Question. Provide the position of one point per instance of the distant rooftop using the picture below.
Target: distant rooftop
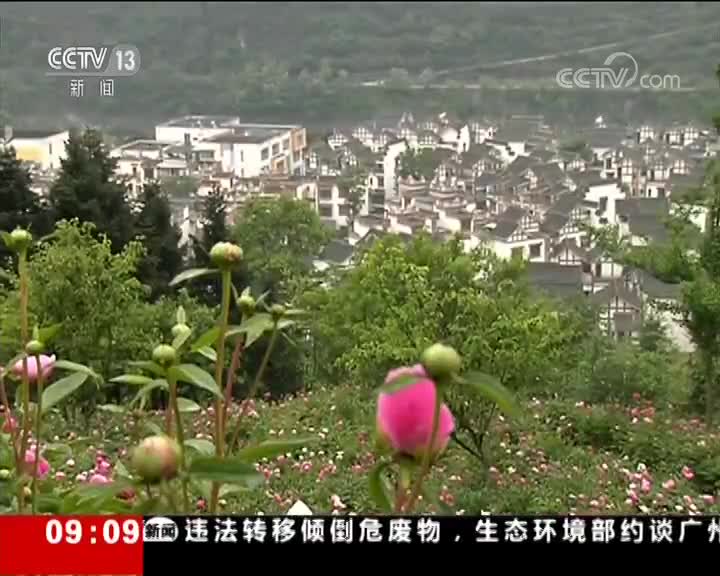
(196, 121)
(32, 134)
(248, 134)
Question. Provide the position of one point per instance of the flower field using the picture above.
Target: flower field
(556, 457)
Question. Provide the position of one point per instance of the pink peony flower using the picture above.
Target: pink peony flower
(47, 365)
(405, 417)
(60, 476)
(43, 466)
(708, 499)
(669, 484)
(645, 485)
(688, 473)
(98, 479)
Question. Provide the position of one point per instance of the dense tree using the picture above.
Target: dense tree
(214, 229)
(163, 258)
(19, 205)
(278, 237)
(86, 189)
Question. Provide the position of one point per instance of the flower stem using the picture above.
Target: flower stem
(9, 420)
(255, 385)
(219, 365)
(230, 379)
(180, 438)
(427, 459)
(24, 335)
(38, 422)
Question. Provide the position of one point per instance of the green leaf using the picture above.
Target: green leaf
(148, 366)
(180, 316)
(271, 448)
(36, 333)
(75, 367)
(378, 487)
(58, 451)
(112, 408)
(205, 447)
(400, 383)
(141, 396)
(132, 379)
(227, 470)
(191, 274)
(185, 405)
(490, 388)
(120, 471)
(284, 323)
(208, 353)
(7, 238)
(152, 428)
(4, 275)
(210, 337)
(195, 375)
(245, 292)
(180, 339)
(62, 389)
(253, 328)
(48, 504)
(47, 334)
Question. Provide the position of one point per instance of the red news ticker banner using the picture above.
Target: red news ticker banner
(71, 545)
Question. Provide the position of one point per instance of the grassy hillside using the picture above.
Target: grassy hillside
(558, 457)
(293, 59)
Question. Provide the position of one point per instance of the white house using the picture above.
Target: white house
(516, 234)
(390, 166)
(43, 147)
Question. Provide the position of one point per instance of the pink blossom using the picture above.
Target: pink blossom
(708, 499)
(337, 503)
(688, 473)
(98, 479)
(645, 485)
(306, 466)
(669, 484)
(43, 466)
(405, 417)
(60, 476)
(633, 496)
(47, 365)
(201, 504)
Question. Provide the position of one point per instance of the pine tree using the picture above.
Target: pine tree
(214, 229)
(19, 205)
(160, 237)
(86, 189)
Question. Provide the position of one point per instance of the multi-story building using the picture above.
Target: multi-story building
(46, 148)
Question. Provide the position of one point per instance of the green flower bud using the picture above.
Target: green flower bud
(441, 361)
(246, 304)
(164, 354)
(277, 311)
(156, 458)
(4, 474)
(34, 348)
(226, 254)
(20, 240)
(180, 330)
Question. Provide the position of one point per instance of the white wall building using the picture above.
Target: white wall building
(43, 147)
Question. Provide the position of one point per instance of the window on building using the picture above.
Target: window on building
(344, 209)
(326, 211)
(535, 250)
(661, 192)
(242, 156)
(276, 149)
(516, 252)
(286, 144)
(50, 152)
(265, 154)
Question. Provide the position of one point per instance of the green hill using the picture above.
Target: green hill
(305, 60)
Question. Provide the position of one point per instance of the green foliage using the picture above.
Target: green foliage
(160, 237)
(277, 237)
(86, 189)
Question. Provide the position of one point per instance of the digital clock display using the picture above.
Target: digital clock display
(112, 531)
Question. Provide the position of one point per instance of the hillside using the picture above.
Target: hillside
(296, 59)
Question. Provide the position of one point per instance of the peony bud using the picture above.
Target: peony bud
(4, 474)
(164, 354)
(226, 254)
(34, 348)
(180, 330)
(441, 361)
(246, 304)
(277, 311)
(156, 458)
(20, 240)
